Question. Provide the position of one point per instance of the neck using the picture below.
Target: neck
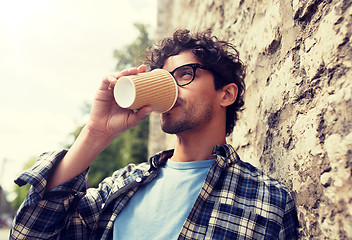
(196, 146)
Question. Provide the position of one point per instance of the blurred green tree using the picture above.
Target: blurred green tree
(132, 54)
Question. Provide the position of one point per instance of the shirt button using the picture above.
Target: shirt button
(138, 179)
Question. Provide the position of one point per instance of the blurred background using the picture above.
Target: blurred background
(53, 55)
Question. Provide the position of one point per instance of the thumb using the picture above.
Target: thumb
(140, 115)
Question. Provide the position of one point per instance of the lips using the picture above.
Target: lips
(177, 103)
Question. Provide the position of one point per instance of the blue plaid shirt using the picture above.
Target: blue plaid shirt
(237, 201)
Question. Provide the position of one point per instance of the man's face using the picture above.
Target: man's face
(197, 103)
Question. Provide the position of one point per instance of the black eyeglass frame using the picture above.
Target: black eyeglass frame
(194, 67)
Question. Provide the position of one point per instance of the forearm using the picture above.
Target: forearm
(85, 149)
(107, 121)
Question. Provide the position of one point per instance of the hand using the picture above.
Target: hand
(107, 119)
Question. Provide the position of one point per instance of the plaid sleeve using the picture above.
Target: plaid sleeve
(43, 215)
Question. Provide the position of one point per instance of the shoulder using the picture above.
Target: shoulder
(249, 190)
(118, 180)
(125, 176)
(246, 174)
(251, 186)
(132, 169)
(249, 174)
(257, 192)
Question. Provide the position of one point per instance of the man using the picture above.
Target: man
(199, 190)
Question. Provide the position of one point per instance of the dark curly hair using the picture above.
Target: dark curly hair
(220, 57)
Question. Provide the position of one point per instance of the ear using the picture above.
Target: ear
(229, 94)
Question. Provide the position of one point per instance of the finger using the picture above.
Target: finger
(140, 115)
(133, 71)
(109, 82)
(144, 112)
(113, 77)
(105, 82)
(142, 68)
(125, 72)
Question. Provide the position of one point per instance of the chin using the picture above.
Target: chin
(171, 130)
(168, 124)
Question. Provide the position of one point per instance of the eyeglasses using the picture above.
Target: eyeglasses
(185, 74)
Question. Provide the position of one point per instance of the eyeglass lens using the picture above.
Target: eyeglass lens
(184, 75)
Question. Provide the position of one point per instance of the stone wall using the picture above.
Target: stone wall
(297, 123)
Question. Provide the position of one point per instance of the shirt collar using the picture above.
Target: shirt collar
(225, 154)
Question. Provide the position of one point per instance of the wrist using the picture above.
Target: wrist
(95, 139)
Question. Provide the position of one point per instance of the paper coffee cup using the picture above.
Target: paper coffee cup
(156, 88)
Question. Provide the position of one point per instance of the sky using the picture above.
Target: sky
(53, 55)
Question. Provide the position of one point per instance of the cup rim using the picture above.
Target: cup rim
(125, 99)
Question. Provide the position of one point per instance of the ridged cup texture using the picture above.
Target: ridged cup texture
(157, 89)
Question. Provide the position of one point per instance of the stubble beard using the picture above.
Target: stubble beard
(190, 119)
